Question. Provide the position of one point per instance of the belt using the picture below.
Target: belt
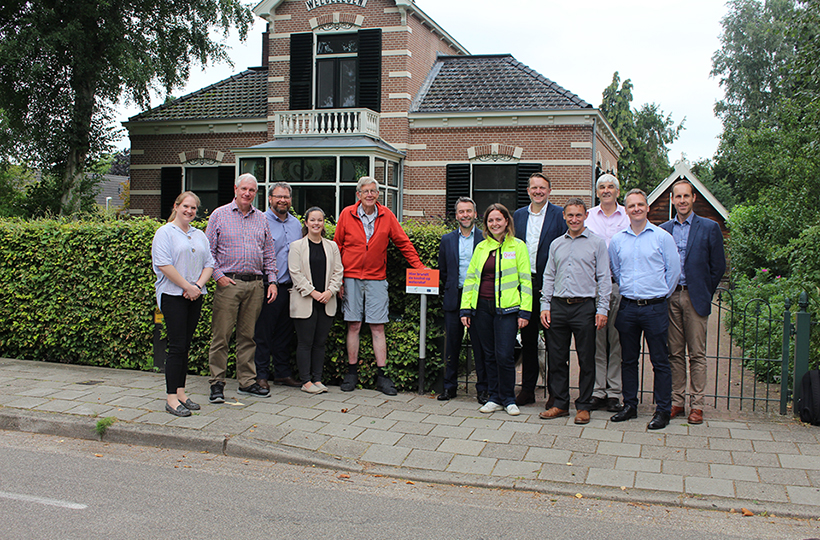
(646, 302)
(244, 277)
(573, 300)
(285, 284)
(681, 288)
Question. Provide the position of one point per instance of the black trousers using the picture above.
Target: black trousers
(311, 335)
(273, 336)
(181, 317)
(567, 320)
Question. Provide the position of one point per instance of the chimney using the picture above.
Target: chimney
(265, 45)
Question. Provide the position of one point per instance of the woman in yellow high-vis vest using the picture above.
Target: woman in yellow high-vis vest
(498, 284)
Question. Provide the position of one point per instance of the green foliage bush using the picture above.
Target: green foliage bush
(82, 292)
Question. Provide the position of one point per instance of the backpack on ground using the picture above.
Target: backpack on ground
(809, 404)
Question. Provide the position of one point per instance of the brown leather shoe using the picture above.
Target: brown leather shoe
(582, 417)
(524, 397)
(263, 383)
(554, 412)
(695, 416)
(676, 411)
(288, 381)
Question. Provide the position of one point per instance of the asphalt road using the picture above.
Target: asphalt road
(52, 487)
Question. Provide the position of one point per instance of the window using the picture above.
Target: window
(495, 184)
(337, 71)
(204, 181)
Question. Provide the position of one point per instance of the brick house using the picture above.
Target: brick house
(355, 87)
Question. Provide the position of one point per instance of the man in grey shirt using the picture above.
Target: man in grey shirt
(577, 273)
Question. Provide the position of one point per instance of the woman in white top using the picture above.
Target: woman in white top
(183, 263)
(315, 266)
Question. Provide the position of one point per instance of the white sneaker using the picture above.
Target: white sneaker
(512, 409)
(490, 407)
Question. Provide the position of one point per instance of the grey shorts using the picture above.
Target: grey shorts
(365, 300)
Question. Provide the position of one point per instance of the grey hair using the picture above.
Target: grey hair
(461, 200)
(637, 191)
(608, 178)
(281, 185)
(366, 181)
(247, 176)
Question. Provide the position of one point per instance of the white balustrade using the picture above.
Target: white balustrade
(326, 122)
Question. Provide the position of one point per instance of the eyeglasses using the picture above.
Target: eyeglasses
(369, 192)
(280, 196)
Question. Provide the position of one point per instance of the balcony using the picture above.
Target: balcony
(325, 122)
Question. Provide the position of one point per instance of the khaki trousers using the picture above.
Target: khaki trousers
(687, 331)
(608, 366)
(235, 305)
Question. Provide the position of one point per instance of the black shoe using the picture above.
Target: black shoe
(613, 404)
(217, 393)
(483, 397)
(254, 390)
(179, 411)
(626, 413)
(525, 397)
(349, 382)
(597, 403)
(386, 386)
(191, 405)
(659, 421)
(448, 394)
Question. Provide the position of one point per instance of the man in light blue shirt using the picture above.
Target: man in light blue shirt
(645, 263)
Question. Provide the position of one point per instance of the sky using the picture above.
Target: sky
(664, 47)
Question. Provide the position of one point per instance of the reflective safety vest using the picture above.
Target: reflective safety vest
(513, 281)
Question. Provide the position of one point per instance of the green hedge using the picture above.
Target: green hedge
(82, 292)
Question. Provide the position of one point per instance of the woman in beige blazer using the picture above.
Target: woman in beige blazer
(315, 266)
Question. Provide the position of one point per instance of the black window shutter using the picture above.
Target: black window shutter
(370, 69)
(170, 182)
(525, 170)
(227, 179)
(458, 185)
(301, 71)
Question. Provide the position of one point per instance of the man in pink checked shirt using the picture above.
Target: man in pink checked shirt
(242, 248)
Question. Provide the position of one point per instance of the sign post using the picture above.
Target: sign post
(423, 282)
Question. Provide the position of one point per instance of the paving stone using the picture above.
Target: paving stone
(230, 427)
(681, 429)
(579, 459)
(619, 449)
(29, 403)
(336, 418)
(777, 475)
(752, 459)
(733, 472)
(266, 408)
(343, 431)
(709, 456)
(758, 491)
(754, 435)
(72, 394)
(306, 440)
(649, 438)
(521, 427)
(195, 421)
(799, 462)
(268, 433)
(809, 449)
(458, 446)
(360, 398)
(710, 432)
(740, 445)
(659, 482)
(386, 455)
(684, 468)
(412, 427)
(374, 423)
(296, 401)
(663, 453)
(563, 473)
(679, 441)
(300, 424)
(451, 432)
(609, 477)
(814, 478)
(406, 416)
(443, 420)
(804, 495)
(638, 464)
(709, 486)
(770, 447)
(482, 423)
(472, 465)
(576, 445)
(425, 459)
(129, 415)
(795, 436)
(420, 441)
(337, 446)
(378, 436)
(510, 452)
(56, 405)
(156, 418)
(516, 469)
(548, 455)
(533, 439)
(90, 409)
(368, 411)
(551, 427)
(602, 434)
(491, 435)
(227, 412)
(301, 412)
(260, 418)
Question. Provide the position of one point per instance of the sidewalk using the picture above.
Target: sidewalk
(765, 463)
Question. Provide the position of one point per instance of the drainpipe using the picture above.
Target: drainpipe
(594, 146)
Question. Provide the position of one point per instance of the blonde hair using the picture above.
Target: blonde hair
(181, 197)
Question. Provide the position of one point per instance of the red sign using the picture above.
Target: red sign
(423, 281)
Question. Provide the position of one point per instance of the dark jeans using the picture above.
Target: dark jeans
(181, 317)
(496, 336)
(529, 341)
(454, 331)
(567, 320)
(273, 336)
(653, 322)
(311, 335)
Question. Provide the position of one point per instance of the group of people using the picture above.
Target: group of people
(274, 274)
(605, 276)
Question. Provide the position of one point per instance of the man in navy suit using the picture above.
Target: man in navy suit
(700, 246)
(454, 256)
(537, 224)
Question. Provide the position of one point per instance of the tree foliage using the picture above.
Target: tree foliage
(64, 64)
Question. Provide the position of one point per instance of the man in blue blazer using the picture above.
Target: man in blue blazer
(455, 251)
(537, 224)
(703, 262)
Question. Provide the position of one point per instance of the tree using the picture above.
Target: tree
(64, 64)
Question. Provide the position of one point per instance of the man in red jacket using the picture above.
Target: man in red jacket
(362, 234)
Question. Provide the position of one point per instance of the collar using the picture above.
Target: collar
(472, 233)
(356, 212)
(275, 216)
(232, 206)
(687, 220)
(585, 233)
(540, 213)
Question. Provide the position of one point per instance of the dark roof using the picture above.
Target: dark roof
(490, 83)
(244, 95)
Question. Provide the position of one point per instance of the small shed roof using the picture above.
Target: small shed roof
(683, 170)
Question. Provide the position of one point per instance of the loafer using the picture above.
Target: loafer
(524, 397)
(613, 404)
(385, 385)
(287, 381)
(448, 394)
(217, 393)
(597, 403)
(490, 407)
(695, 416)
(349, 383)
(321, 387)
(483, 397)
(190, 405)
(254, 390)
(553, 412)
(512, 409)
(659, 420)
(179, 411)
(627, 413)
(676, 411)
(582, 417)
(263, 383)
